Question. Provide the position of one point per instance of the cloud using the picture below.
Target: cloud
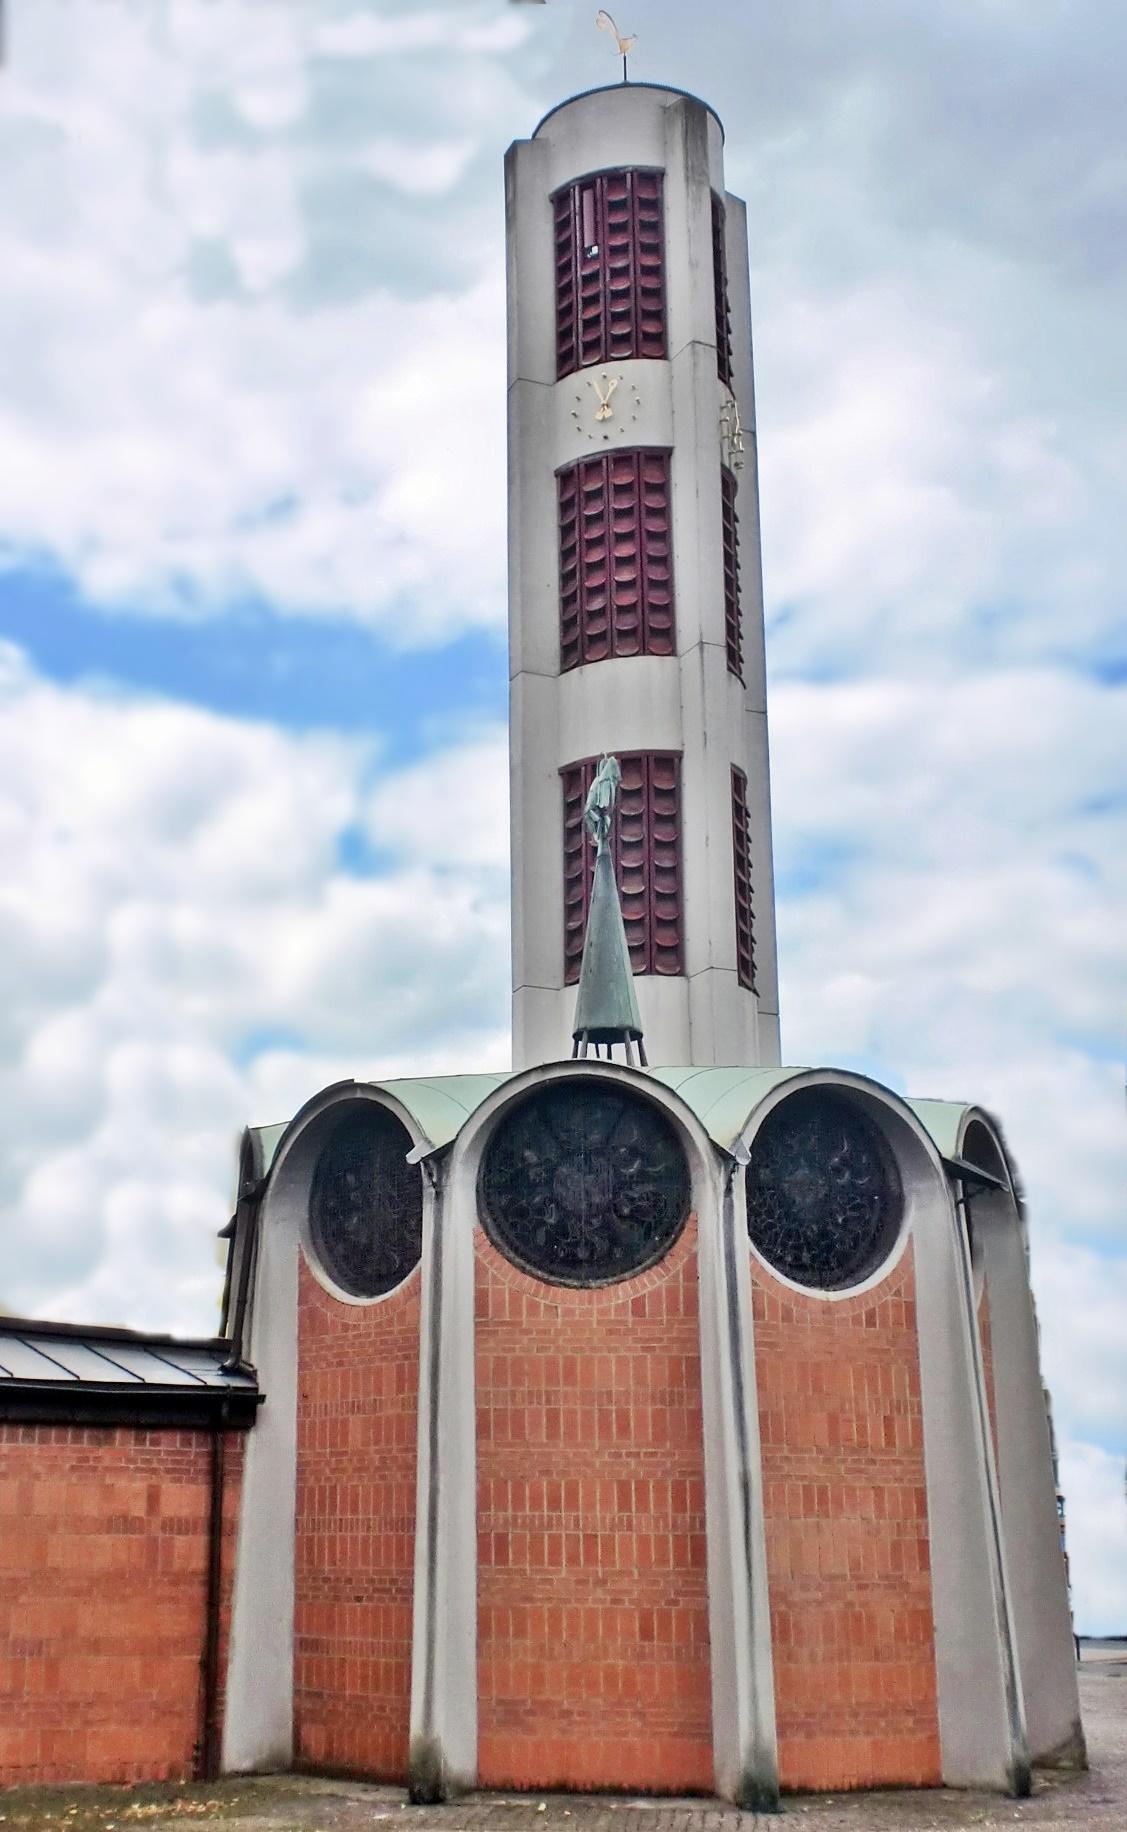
(1094, 1497)
(448, 810)
(212, 392)
(252, 331)
(183, 952)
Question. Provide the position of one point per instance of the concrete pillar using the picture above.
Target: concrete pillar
(1027, 1492)
(690, 701)
(443, 1746)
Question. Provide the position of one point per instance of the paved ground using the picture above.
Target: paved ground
(293, 1804)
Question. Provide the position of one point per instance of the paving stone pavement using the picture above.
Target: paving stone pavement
(311, 1804)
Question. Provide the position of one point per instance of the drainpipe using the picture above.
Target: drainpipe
(209, 1738)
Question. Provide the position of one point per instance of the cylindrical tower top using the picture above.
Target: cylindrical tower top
(617, 89)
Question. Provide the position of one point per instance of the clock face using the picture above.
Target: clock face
(606, 408)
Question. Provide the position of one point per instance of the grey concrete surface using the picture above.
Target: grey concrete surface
(288, 1803)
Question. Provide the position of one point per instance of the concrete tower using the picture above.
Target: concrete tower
(635, 590)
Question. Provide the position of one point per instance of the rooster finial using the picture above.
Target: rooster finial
(625, 45)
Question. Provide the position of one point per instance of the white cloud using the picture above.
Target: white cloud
(922, 504)
(252, 328)
(450, 810)
(1096, 1527)
(182, 953)
(213, 388)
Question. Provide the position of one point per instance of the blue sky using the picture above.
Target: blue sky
(252, 593)
(293, 673)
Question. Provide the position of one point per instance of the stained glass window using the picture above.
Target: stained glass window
(823, 1197)
(366, 1203)
(582, 1185)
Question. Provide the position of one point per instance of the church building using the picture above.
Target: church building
(668, 1420)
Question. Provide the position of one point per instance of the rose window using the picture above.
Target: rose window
(582, 1184)
(823, 1196)
(366, 1204)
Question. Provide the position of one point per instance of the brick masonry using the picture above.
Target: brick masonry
(358, 1386)
(593, 1648)
(103, 1574)
(847, 1534)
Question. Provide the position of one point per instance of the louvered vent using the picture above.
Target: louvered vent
(720, 284)
(741, 862)
(733, 626)
(646, 841)
(610, 270)
(616, 574)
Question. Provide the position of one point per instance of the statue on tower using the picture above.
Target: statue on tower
(601, 797)
(606, 1010)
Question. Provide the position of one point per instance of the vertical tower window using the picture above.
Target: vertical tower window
(733, 624)
(720, 284)
(616, 572)
(646, 843)
(741, 864)
(610, 269)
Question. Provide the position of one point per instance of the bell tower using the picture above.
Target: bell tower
(635, 590)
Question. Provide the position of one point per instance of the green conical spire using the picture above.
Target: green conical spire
(606, 1009)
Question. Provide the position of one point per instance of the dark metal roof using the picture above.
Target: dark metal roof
(59, 1373)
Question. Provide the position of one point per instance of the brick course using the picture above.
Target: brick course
(358, 1385)
(847, 1534)
(593, 1647)
(103, 1575)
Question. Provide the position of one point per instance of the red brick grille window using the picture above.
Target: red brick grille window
(741, 862)
(646, 839)
(616, 573)
(610, 269)
(720, 284)
(733, 627)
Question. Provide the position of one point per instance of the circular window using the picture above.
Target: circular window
(584, 1185)
(366, 1204)
(823, 1196)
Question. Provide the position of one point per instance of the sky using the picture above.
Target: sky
(252, 594)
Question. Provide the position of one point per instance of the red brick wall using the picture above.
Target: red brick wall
(358, 1388)
(593, 1652)
(847, 1534)
(103, 1572)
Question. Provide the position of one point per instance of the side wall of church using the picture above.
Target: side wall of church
(103, 1585)
(847, 1534)
(357, 1411)
(593, 1642)
(986, 1340)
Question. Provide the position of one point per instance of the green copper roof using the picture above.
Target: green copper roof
(722, 1099)
(269, 1138)
(441, 1107)
(941, 1119)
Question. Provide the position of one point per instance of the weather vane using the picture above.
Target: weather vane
(625, 45)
